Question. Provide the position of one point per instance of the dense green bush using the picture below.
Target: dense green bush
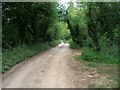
(15, 55)
(73, 45)
(54, 43)
(107, 55)
(99, 57)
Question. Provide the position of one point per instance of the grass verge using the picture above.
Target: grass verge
(14, 56)
(104, 61)
(98, 57)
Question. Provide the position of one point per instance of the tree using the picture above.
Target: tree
(27, 22)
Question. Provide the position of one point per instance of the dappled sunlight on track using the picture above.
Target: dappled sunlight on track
(62, 44)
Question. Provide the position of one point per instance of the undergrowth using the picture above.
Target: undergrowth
(98, 57)
(105, 56)
(73, 45)
(93, 59)
(15, 55)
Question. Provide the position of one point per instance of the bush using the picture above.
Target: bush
(13, 56)
(73, 45)
(98, 57)
(54, 43)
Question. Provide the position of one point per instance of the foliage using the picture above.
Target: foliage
(73, 45)
(88, 24)
(14, 56)
(59, 31)
(76, 20)
(64, 32)
(92, 21)
(98, 57)
(54, 43)
(29, 28)
(27, 22)
(95, 26)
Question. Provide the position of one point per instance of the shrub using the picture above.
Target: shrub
(13, 56)
(73, 45)
(54, 43)
(98, 57)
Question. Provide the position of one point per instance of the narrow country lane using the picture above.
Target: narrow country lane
(49, 69)
(54, 68)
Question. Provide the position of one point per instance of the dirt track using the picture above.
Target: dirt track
(54, 68)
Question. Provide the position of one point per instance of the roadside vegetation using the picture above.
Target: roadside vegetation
(30, 28)
(94, 31)
(15, 55)
(95, 34)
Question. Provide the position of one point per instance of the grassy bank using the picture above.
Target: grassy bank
(105, 56)
(14, 56)
(98, 57)
(104, 61)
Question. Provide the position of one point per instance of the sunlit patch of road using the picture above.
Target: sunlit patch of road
(62, 44)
